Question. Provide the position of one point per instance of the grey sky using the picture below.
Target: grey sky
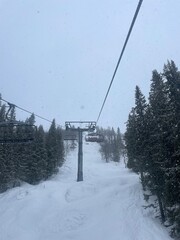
(57, 57)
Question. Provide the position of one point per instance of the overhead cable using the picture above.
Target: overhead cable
(120, 57)
(45, 119)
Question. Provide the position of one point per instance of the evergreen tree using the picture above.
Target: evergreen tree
(172, 81)
(120, 143)
(55, 149)
(158, 125)
(41, 153)
(60, 147)
(27, 153)
(117, 146)
(27, 161)
(141, 131)
(153, 142)
(112, 146)
(130, 140)
(7, 170)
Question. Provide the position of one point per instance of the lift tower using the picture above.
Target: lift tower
(80, 127)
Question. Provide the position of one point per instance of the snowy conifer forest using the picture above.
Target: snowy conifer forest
(27, 154)
(153, 143)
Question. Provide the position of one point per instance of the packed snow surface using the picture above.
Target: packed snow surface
(107, 205)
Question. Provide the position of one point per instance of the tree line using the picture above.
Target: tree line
(112, 147)
(153, 142)
(22, 160)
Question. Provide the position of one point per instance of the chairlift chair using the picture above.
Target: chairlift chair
(16, 132)
(94, 137)
(70, 137)
(12, 131)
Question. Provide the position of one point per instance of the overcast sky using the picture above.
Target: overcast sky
(57, 57)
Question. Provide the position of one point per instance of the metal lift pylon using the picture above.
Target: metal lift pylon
(90, 127)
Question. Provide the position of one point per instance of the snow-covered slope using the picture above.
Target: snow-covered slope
(107, 205)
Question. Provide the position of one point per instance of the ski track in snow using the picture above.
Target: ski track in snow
(107, 205)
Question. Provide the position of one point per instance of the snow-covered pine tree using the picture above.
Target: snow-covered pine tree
(141, 131)
(27, 154)
(153, 135)
(172, 81)
(117, 146)
(55, 149)
(130, 137)
(28, 162)
(60, 147)
(157, 124)
(41, 153)
(7, 165)
(112, 146)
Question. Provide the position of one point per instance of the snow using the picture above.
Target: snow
(107, 205)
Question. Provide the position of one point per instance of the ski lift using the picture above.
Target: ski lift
(12, 131)
(16, 132)
(94, 137)
(70, 136)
